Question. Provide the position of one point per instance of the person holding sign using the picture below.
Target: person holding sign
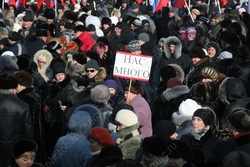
(141, 108)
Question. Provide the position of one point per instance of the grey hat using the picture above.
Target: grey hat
(240, 119)
(29, 16)
(137, 23)
(100, 94)
(144, 37)
(92, 64)
(135, 6)
(134, 46)
(4, 31)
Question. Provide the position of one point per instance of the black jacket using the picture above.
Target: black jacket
(15, 124)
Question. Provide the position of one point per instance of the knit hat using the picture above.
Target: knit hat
(100, 94)
(111, 84)
(24, 79)
(225, 55)
(180, 149)
(3, 31)
(23, 146)
(240, 119)
(173, 82)
(8, 81)
(143, 37)
(102, 136)
(91, 27)
(134, 46)
(191, 30)
(164, 128)
(197, 52)
(110, 155)
(145, 22)
(202, 18)
(196, 12)
(188, 107)
(210, 72)
(126, 117)
(155, 146)
(135, 6)
(72, 45)
(92, 64)
(205, 115)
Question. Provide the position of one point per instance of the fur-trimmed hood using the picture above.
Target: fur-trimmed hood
(179, 71)
(232, 89)
(178, 46)
(214, 45)
(174, 92)
(101, 75)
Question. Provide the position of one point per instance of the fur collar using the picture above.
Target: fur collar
(101, 75)
(178, 46)
(174, 92)
(123, 133)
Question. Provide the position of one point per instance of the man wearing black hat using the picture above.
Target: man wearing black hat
(28, 29)
(16, 47)
(15, 120)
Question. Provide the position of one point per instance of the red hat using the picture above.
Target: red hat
(102, 136)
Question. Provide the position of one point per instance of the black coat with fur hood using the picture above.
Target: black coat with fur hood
(99, 78)
(177, 57)
(233, 94)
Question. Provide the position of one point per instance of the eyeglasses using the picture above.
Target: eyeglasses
(90, 71)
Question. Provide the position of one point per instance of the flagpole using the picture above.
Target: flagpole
(56, 9)
(189, 11)
(219, 5)
(248, 9)
(208, 4)
(2, 4)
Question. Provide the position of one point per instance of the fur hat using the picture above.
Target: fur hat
(54, 45)
(205, 115)
(155, 146)
(102, 136)
(143, 37)
(8, 81)
(23, 146)
(180, 149)
(74, 69)
(79, 28)
(167, 72)
(100, 94)
(80, 57)
(188, 107)
(42, 33)
(240, 119)
(24, 79)
(49, 13)
(197, 53)
(23, 62)
(72, 45)
(111, 84)
(173, 82)
(196, 12)
(126, 117)
(58, 66)
(210, 72)
(164, 128)
(106, 20)
(92, 64)
(80, 84)
(110, 155)
(69, 53)
(92, 55)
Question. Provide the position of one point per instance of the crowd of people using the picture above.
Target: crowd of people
(61, 106)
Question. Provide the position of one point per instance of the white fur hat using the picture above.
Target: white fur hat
(126, 117)
(188, 107)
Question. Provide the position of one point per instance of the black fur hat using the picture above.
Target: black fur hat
(240, 119)
(8, 81)
(106, 20)
(58, 66)
(23, 62)
(49, 13)
(155, 146)
(167, 72)
(197, 52)
(41, 33)
(23, 146)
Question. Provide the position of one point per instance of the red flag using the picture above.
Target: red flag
(138, 1)
(224, 2)
(20, 3)
(12, 2)
(179, 3)
(50, 3)
(158, 4)
(73, 1)
(39, 4)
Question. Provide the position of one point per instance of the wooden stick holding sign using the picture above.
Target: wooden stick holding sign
(128, 101)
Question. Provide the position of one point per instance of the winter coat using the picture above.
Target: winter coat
(177, 57)
(15, 124)
(161, 24)
(143, 112)
(33, 45)
(233, 94)
(98, 79)
(77, 152)
(17, 48)
(130, 142)
(201, 148)
(86, 41)
(34, 165)
(168, 102)
(30, 34)
(243, 141)
(29, 96)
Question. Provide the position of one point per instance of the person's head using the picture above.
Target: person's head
(124, 3)
(195, 13)
(236, 158)
(135, 90)
(202, 118)
(92, 68)
(134, 47)
(4, 33)
(125, 118)
(28, 19)
(197, 54)
(165, 129)
(99, 138)
(24, 152)
(8, 82)
(106, 23)
(118, 31)
(58, 67)
(145, 25)
(42, 34)
(25, 80)
(172, 45)
(110, 156)
(78, 30)
(143, 38)
(209, 74)
(100, 94)
(191, 32)
(112, 85)
(135, 7)
(213, 49)
(42, 60)
(239, 119)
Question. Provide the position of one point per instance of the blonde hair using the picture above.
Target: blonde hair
(28, 154)
(42, 57)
